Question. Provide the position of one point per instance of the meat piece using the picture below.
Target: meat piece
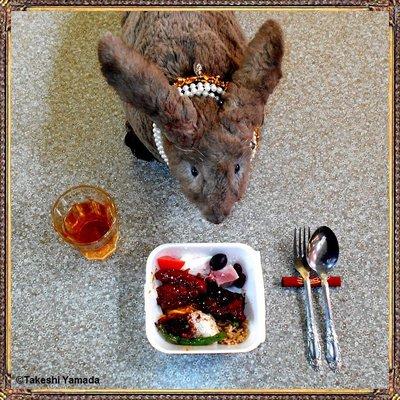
(178, 325)
(225, 276)
(233, 310)
(222, 304)
(183, 278)
(175, 296)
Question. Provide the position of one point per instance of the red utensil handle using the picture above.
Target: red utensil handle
(297, 281)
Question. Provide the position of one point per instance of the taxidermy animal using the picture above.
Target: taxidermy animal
(194, 94)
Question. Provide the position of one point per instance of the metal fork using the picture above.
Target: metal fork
(301, 265)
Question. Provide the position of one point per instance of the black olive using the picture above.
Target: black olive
(240, 281)
(218, 261)
(238, 268)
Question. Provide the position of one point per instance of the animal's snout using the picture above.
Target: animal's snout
(216, 216)
(219, 207)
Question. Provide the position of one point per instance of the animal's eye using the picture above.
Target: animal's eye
(194, 171)
(237, 168)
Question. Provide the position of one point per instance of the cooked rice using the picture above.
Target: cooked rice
(234, 335)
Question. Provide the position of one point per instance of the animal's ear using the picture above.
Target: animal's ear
(256, 78)
(142, 84)
(260, 69)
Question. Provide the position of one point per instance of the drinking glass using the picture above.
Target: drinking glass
(86, 218)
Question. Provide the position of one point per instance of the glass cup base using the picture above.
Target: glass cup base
(104, 252)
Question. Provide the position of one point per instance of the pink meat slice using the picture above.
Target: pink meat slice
(224, 276)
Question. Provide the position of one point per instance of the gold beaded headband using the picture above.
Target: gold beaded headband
(200, 85)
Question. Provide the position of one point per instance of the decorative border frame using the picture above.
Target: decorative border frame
(392, 392)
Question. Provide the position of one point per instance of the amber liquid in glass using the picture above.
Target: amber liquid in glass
(88, 222)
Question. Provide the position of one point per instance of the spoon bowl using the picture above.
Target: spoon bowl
(323, 250)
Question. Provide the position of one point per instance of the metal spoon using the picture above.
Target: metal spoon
(322, 256)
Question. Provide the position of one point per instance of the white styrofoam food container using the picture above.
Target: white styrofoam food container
(243, 254)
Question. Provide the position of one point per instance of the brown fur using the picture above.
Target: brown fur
(158, 47)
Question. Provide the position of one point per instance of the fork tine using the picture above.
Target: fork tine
(294, 244)
(303, 255)
(308, 241)
(300, 243)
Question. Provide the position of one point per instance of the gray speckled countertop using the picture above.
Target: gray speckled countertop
(323, 161)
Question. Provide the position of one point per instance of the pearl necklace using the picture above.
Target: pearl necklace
(199, 85)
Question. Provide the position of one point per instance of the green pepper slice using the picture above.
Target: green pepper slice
(200, 341)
